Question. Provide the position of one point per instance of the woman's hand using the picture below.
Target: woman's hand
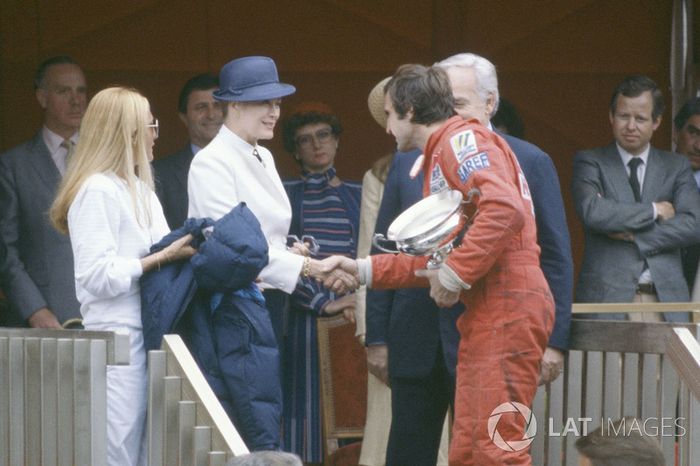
(178, 249)
(346, 305)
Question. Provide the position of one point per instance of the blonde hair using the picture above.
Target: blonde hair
(112, 139)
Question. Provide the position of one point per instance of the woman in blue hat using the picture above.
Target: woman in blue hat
(234, 168)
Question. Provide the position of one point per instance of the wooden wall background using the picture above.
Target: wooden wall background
(558, 61)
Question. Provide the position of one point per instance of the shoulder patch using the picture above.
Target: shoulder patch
(437, 180)
(472, 164)
(463, 145)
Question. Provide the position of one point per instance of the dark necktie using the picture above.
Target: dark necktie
(257, 156)
(634, 180)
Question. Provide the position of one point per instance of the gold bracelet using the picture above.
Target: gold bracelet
(306, 268)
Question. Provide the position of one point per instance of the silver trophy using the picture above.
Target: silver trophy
(423, 229)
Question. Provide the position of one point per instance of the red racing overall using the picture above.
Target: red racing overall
(510, 310)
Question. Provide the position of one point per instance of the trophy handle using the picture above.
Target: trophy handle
(378, 238)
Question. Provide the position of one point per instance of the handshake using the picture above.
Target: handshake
(337, 273)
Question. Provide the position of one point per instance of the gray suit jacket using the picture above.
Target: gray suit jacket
(605, 204)
(37, 270)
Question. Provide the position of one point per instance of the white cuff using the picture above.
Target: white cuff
(364, 270)
(450, 280)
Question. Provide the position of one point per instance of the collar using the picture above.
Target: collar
(238, 142)
(325, 176)
(53, 141)
(626, 156)
(194, 148)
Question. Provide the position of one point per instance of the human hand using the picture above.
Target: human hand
(378, 362)
(552, 365)
(346, 305)
(441, 295)
(300, 249)
(178, 249)
(664, 210)
(44, 318)
(337, 273)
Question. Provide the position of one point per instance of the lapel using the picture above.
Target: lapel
(40, 159)
(653, 176)
(616, 172)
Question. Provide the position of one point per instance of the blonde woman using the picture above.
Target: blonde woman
(107, 205)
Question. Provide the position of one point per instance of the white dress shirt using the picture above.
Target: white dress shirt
(225, 173)
(58, 153)
(645, 277)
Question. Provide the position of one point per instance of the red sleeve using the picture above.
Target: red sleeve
(500, 210)
(397, 271)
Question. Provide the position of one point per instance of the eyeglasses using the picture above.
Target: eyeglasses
(306, 141)
(155, 126)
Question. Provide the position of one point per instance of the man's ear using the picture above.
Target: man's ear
(41, 97)
(183, 118)
(657, 122)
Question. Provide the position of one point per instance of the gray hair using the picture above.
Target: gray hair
(266, 458)
(484, 70)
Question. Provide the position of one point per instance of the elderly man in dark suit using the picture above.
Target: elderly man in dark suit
(686, 135)
(203, 117)
(639, 207)
(37, 271)
(475, 88)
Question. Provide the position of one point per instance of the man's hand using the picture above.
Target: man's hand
(441, 295)
(664, 210)
(378, 362)
(337, 273)
(44, 318)
(552, 365)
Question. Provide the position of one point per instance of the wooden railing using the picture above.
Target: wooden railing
(53, 395)
(186, 423)
(616, 369)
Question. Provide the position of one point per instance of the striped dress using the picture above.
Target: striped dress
(331, 215)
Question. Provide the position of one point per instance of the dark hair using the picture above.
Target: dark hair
(690, 108)
(636, 85)
(508, 117)
(201, 82)
(424, 90)
(621, 443)
(48, 63)
(296, 121)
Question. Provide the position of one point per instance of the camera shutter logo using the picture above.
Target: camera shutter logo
(530, 426)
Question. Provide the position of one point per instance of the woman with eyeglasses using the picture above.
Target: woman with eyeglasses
(328, 209)
(107, 205)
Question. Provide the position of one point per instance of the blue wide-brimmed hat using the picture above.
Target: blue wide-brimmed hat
(250, 79)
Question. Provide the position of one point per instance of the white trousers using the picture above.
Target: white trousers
(127, 404)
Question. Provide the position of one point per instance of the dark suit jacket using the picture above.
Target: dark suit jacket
(690, 256)
(408, 320)
(552, 232)
(38, 268)
(171, 185)
(605, 203)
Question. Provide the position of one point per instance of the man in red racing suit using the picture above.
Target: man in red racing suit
(494, 271)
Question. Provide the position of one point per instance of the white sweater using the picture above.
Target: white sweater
(108, 243)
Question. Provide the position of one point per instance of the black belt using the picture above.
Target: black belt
(646, 288)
